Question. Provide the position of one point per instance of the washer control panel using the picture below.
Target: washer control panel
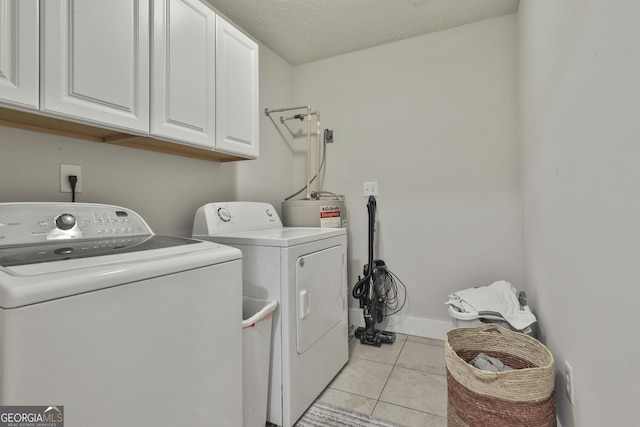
(29, 223)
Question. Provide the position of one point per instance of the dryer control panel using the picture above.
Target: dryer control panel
(233, 217)
(29, 223)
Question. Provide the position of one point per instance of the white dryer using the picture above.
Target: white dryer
(304, 269)
(114, 324)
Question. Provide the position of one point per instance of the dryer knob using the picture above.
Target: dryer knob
(65, 221)
(224, 214)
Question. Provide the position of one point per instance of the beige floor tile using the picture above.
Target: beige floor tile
(413, 393)
(428, 341)
(401, 337)
(352, 402)
(422, 357)
(362, 377)
(417, 390)
(387, 353)
(407, 417)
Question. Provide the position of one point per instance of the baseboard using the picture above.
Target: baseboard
(408, 325)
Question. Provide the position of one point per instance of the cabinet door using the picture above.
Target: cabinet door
(19, 64)
(96, 62)
(236, 91)
(183, 70)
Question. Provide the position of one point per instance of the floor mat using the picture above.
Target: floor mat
(321, 414)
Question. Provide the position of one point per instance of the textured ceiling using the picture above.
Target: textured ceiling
(301, 31)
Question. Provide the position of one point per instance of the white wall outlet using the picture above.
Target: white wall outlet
(370, 188)
(65, 171)
(568, 381)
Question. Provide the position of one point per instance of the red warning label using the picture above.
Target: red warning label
(330, 216)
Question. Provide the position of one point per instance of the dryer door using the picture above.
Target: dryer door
(320, 295)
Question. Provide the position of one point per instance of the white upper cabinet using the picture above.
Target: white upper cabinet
(236, 91)
(96, 62)
(19, 70)
(183, 70)
(121, 71)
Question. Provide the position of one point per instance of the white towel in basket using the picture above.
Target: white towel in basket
(497, 298)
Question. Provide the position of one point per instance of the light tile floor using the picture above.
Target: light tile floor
(403, 382)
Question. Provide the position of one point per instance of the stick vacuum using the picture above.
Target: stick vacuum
(370, 290)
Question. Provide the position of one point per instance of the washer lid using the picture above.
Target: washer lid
(34, 282)
(283, 237)
(55, 250)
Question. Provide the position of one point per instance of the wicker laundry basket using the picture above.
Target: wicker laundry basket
(523, 397)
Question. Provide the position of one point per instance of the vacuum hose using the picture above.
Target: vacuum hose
(361, 288)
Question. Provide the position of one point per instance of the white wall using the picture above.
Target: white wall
(270, 178)
(580, 120)
(433, 121)
(166, 190)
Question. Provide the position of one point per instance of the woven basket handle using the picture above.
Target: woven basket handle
(491, 329)
(485, 376)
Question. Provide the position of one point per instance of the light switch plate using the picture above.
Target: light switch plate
(370, 188)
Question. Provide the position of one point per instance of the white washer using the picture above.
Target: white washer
(304, 269)
(117, 325)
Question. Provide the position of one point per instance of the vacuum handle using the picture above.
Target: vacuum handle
(361, 288)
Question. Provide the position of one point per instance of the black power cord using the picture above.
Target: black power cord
(73, 180)
(386, 289)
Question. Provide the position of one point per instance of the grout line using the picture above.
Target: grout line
(390, 373)
(413, 409)
(355, 394)
(394, 365)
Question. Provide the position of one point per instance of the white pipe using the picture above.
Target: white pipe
(295, 116)
(278, 110)
(318, 159)
(317, 114)
(308, 116)
(308, 196)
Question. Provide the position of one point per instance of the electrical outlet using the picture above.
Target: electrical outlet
(328, 136)
(568, 381)
(370, 189)
(65, 171)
